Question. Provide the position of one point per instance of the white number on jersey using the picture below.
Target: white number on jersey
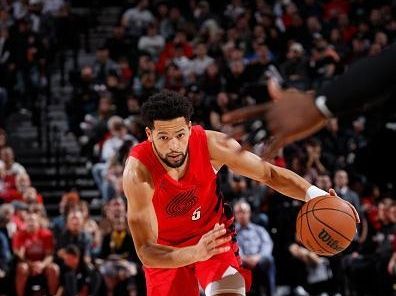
(196, 215)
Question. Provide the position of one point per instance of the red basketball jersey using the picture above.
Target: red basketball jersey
(188, 208)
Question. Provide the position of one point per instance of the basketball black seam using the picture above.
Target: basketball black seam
(354, 218)
(302, 214)
(313, 236)
(331, 228)
(332, 209)
(301, 230)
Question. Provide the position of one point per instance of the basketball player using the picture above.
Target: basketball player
(175, 211)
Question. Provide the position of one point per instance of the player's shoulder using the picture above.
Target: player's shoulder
(136, 171)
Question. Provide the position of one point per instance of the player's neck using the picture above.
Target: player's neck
(175, 173)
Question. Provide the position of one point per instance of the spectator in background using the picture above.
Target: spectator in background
(69, 201)
(118, 135)
(295, 68)
(34, 248)
(78, 277)
(201, 61)
(341, 187)
(314, 164)
(135, 20)
(118, 44)
(7, 158)
(118, 259)
(318, 270)
(114, 208)
(91, 227)
(323, 181)
(255, 248)
(103, 66)
(5, 263)
(152, 42)
(74, 234)
(7, 225)
(172, 22)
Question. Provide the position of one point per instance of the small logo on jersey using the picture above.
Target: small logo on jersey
(196, 214)
(182, 203)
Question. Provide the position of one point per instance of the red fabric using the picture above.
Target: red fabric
(184, 280)
(37, 245)
(348, 33)
(335, 8)
(176, 201)
(9, 181)
(12, 194)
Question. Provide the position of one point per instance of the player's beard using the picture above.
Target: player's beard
(169, 163)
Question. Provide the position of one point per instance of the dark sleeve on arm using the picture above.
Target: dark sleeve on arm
(362, 82)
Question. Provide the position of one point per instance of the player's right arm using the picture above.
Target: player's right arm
(142, 221)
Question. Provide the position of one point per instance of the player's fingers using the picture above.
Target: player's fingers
(222, 240)
(218, 233)
(220, 250)
(274, 90)
(332, 192)
(215, 232)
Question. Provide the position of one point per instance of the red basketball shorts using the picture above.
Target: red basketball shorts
(185, 280)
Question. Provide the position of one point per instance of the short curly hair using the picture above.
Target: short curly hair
(166, 105)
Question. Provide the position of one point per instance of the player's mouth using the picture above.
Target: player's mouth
(176, 157)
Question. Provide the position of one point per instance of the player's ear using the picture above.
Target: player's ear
(149, 134)
(189, 125)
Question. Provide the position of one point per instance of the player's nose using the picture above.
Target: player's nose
(174, 144)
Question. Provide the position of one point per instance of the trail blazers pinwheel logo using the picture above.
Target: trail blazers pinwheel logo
(182, 203)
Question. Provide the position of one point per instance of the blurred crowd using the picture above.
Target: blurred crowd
(217, 54)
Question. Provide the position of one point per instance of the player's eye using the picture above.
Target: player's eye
(163, 138)
(179, 136)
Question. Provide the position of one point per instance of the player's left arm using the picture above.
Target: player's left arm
(227, 151)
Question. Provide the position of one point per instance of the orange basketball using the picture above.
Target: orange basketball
(326, 225)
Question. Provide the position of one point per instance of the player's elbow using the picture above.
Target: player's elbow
(144, 255)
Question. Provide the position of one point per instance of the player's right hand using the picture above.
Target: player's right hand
(212, 243)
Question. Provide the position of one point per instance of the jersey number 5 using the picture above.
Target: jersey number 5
(196, 215)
